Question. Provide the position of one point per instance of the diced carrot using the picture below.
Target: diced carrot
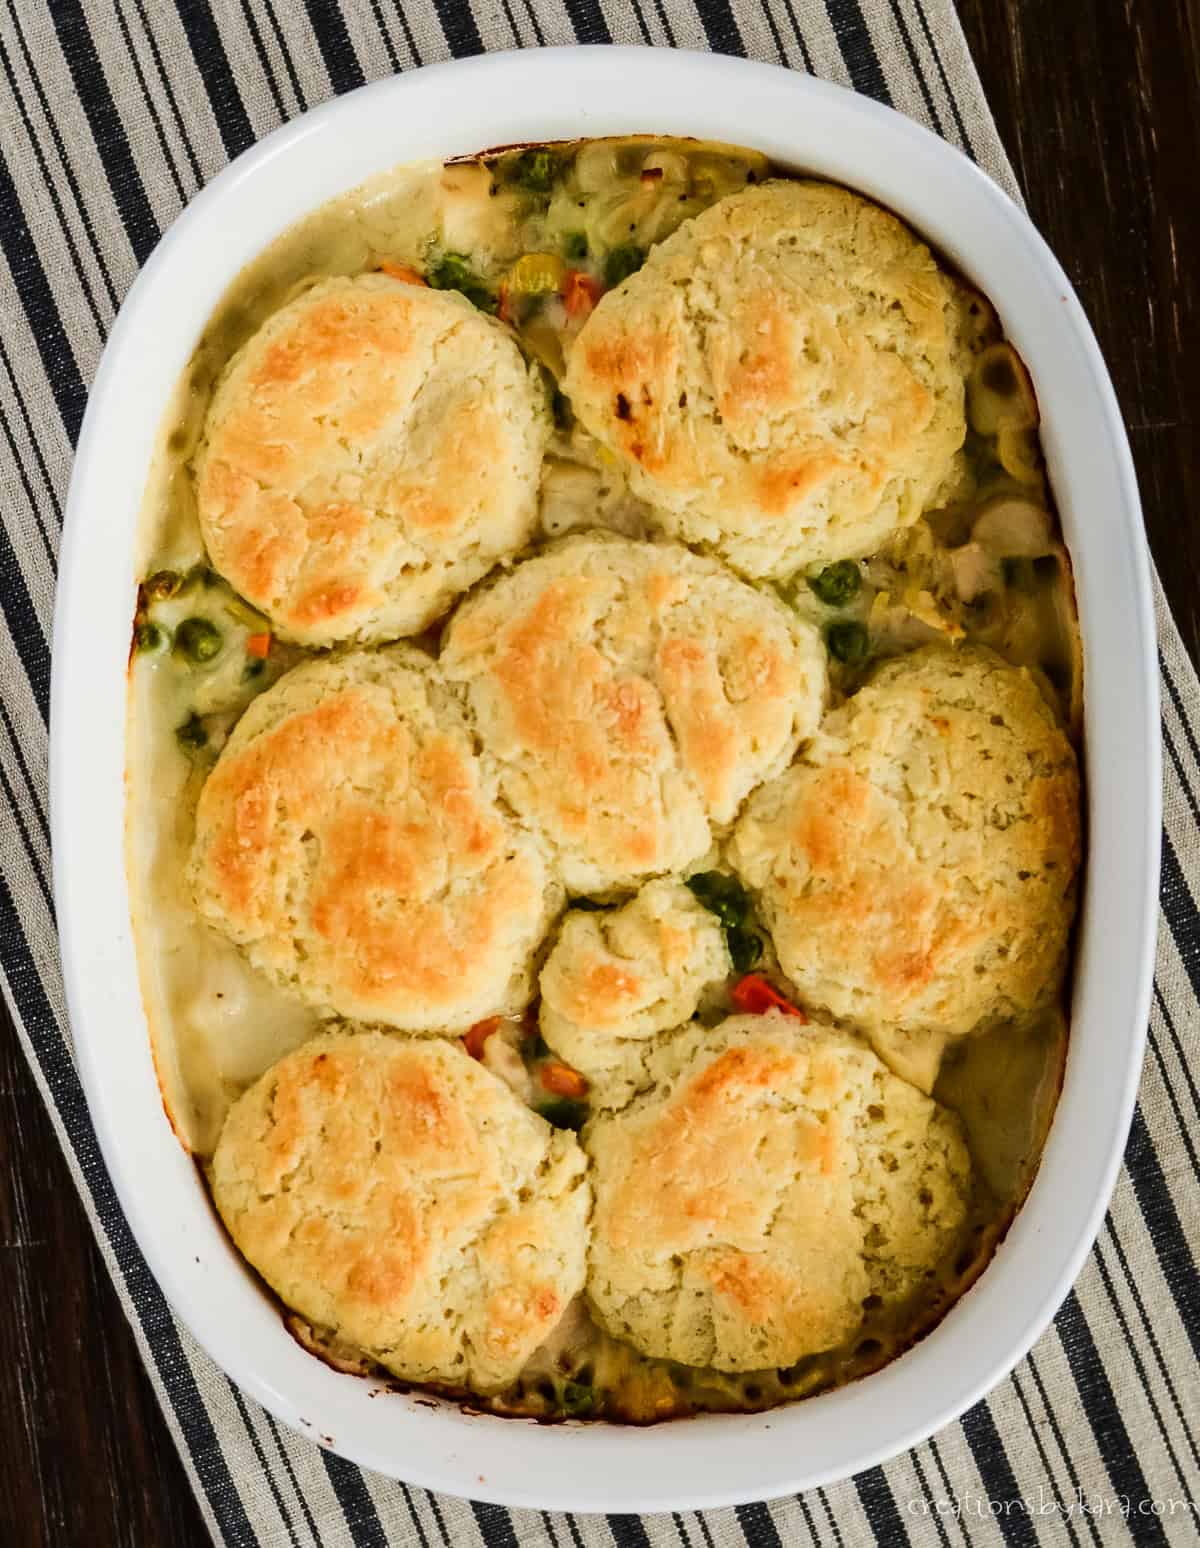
(401, 271)
(258, 645)
(562, 1079)
(475, 1037)
(754, 995)
(580, 292)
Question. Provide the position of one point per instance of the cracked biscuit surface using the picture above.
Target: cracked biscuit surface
(615, 980)
(781, 378)
(397, 1195)
(776, 1177)
(633, 694)
(916, 867)
(368, 455)
(350, 840)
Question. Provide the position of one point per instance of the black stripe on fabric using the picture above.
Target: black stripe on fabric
(915, 1459)
(798, 34)
(757, 1527)
(30, 497)
(31, 854)
(412, 1510)
(857, 49)
(169, 92)
(1173, 1034)
(1164, 1228)
(945, 80)
(329, 26)
(112, 145)
(831, 1518)
(362, 1519)
(459, 27)
(879, 1503)
(264, 60)
(704, 1532)
(286, 55)
(808, 1520)
(776, 37)
(1041, 1450)
(495, 1525)
(33, 786)
(19, 399)
(149, 1305)
(37, 302)
(531, 12)
(996, 1474)
(681, 1531)
(432, 1502)
(268, 1470)
(152, 106)
(720, 28)
(1060, 1442)
(1102, 1412)
(212, 62)
(1152, 1337)
(588, 21)
(914, 60)
(51, 188)
(23, 625)
(1139, 1364)
(1180, 909)
(385, 35)
(290, 1471)
(628, 1532)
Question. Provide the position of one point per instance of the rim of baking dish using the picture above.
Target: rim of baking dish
(807, 125)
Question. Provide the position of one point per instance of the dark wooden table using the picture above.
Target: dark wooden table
(1098, 102)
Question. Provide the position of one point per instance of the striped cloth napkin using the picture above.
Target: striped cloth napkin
(112, 116)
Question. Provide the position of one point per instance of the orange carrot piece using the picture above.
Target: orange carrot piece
(754, 995)
(475, 1037)
(561, 1079)
(401, 271)
(258, 645)
(580, 292)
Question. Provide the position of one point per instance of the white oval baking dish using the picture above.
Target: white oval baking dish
(458, 108)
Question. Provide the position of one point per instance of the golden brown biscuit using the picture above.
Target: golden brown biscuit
(350, 840)
(370, 453)
(916, 867)
(781, 377)
(402, 1199)
(616, 979)
(776, 1176)
(633, 695)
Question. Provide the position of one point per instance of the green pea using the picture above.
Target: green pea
(578, 1400)
(848, 642)
(536, 170)
(836, 584)
(453, 272)
(721, 894)
(622, 262)
(564, 1113)
(192, 734)
(162, 585)
(575, 246)
(198, 640)
(148, 638)
(745, 948)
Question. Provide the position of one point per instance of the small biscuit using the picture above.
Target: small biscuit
(350, 840)
(776, 1177)
(616, 979)
(633, 695)
(781, 378)
(370, 453)
(400, 1198)
(916, 867)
